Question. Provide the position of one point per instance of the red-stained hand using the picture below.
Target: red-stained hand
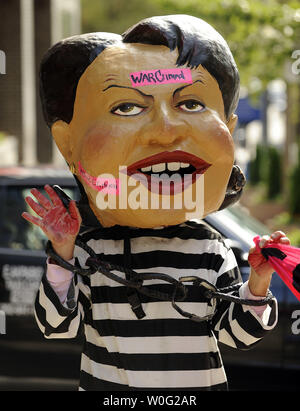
(60, 225)
(257, 260)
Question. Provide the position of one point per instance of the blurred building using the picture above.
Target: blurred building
(28, 28)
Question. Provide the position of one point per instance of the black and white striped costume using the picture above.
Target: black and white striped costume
(163, 350)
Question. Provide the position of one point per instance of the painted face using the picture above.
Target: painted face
(151, 129)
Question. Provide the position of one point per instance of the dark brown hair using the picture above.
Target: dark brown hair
(197, 43)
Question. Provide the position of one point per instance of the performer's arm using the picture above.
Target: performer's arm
(58, 308)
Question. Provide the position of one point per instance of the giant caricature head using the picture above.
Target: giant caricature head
(160, 99)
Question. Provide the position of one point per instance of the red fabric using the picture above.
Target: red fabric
(285, 267)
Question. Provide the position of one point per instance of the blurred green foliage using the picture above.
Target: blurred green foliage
(258, 165)
(274, 173)
(294, 192)
(2, 135)
(266, 168)
(262, 34)
(294, 237)
(254, 172)
(115, 16)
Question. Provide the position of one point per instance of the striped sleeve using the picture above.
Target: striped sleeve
(57, 320)
(235, 324)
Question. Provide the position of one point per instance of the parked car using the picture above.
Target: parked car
(29, 361)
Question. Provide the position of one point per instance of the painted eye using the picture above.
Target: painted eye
(191, 106)
(127, 109)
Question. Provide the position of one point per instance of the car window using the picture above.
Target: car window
(241, 216)
(235, 223)
(15, 232)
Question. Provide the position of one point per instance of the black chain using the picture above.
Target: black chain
(208, 290)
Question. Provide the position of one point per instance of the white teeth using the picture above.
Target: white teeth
(173, 166)
(157, 168)
(145, 169)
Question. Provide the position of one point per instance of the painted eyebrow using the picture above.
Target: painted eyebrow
(149, 95)
(130, 88)
(188, 85)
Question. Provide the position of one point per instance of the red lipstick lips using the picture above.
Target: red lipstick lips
(188, 165)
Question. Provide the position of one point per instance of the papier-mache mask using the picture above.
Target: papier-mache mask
(145, 120)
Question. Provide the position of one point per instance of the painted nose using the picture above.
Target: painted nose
(165, 128)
